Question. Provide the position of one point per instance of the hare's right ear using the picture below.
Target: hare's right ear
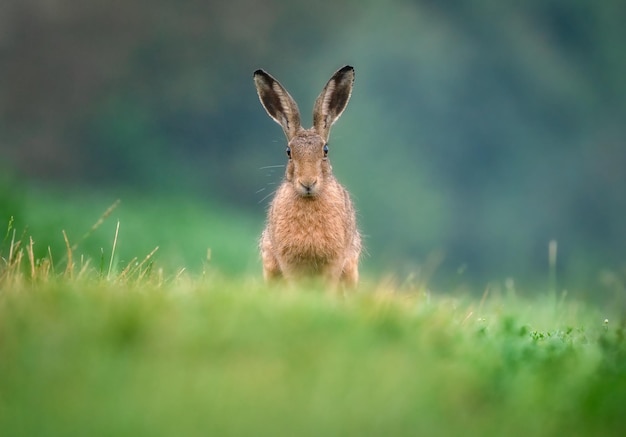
(278, 103)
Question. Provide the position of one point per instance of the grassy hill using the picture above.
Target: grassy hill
(150, 318)
(187, 233)
(86, 350)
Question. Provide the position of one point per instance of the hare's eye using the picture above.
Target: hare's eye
(288, 150)
(325, 150)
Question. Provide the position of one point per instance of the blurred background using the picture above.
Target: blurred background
(478, 132)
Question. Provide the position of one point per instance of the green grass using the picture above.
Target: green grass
(233, 358)
(142, 349)
(187, 233)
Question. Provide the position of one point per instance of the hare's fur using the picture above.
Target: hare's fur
(311, 225)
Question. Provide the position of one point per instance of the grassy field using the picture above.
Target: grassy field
(186, 233)
(113, 346)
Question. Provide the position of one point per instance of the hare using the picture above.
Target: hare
(311, 228)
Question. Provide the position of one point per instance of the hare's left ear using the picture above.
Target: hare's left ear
(332, 100)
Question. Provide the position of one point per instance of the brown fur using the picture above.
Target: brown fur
(311, 225)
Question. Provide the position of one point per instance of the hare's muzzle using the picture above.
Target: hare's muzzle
(307, 188)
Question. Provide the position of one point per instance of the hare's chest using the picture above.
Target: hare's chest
(314, 231)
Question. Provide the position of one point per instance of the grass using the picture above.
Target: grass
(134, 349)
(187, 232)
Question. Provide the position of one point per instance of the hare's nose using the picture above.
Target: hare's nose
(308, 186)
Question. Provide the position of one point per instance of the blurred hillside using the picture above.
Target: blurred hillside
(478, 130)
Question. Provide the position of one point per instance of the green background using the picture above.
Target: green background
(478, 131)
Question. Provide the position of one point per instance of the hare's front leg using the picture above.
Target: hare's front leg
(350, 273)
(271, 269)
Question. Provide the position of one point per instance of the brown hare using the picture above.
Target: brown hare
(311, 226)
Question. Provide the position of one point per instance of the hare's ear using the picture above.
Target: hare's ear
(278, 103)
(333, 100)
